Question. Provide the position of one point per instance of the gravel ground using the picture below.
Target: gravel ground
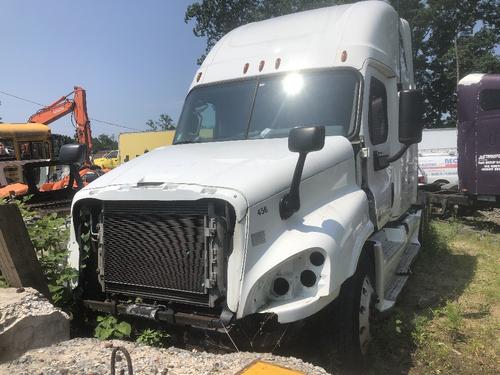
(91, 356)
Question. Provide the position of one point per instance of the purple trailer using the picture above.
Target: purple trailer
(478, 144)
(479, 136)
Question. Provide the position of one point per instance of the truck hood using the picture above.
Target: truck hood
(255, 168)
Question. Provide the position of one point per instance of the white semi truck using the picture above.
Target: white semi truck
(291, 184)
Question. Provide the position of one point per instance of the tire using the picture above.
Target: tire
(441, 182)
(424, 223)
(356, 303)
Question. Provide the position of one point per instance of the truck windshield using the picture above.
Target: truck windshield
(268, 107)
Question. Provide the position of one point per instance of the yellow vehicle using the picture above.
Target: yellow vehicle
(108, 161)
(132, 145)
(19, 144)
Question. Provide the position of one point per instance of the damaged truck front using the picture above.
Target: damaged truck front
(291, 183)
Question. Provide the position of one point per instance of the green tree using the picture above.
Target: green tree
(104, 142)
(436, 24)
(165, 122)
(442, 31)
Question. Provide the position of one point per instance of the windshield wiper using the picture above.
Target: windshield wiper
(188, 141)
(206, 140)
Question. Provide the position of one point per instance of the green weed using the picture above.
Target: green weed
(109, 327)
(419, 333)
(3, 283)
(453, 318)
(152, 337)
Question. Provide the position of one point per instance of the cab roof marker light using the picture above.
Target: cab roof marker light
(261, 65)
(277, 63)
(245, 68)
(198, 77)
(343, 56)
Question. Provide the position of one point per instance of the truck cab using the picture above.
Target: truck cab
(291, 183)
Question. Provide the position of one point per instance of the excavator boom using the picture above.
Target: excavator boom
(53, 111)
(64, 106)
(83, 130)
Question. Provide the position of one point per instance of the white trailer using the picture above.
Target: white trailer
(229, 223)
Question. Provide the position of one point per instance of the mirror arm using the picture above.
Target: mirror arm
(75, 172)
(382, 160)
(290, 203)
(398, 154)
(30, 179)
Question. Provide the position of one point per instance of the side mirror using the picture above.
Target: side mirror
(73, 154)
(411, 112)
(306, 139)
(302, 140)
(411, 124)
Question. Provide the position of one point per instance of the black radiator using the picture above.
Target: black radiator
(156, 249)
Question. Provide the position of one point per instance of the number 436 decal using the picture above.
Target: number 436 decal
(262, 210)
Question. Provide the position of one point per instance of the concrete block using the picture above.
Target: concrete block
(28, 321)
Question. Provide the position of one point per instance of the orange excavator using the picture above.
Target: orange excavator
(63, 106)
(77, 107)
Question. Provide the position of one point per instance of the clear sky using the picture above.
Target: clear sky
(135, 59)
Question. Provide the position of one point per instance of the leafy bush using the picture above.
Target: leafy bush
(49, 236)
(108, 327)
(152, 337)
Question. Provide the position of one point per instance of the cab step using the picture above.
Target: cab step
(390, 248)
(396, 247)
(403, 272)
(396, 287)
(407, 259)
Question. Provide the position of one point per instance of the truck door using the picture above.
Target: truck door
(488, 142)
(377, 129)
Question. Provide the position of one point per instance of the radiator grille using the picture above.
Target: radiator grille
(155, 249)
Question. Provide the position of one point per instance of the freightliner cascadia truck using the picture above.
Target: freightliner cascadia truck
(291, 184)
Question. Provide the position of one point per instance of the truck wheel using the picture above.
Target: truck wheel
(356, 303)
